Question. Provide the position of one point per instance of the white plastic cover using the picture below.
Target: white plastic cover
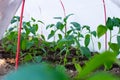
(8, 9)
(86, 12)
(117, 2)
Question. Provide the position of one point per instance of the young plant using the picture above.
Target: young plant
(89, 36)
(88, 71)
(77, 30)
(29, 38)
(65, 38)
(110, 24)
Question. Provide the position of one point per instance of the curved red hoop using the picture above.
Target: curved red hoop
(63, 8)
(105, 19)
(19, 36)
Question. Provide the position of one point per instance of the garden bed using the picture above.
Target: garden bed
(7, 63)
(77, 59)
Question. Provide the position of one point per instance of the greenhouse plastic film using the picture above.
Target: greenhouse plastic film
(8, 9)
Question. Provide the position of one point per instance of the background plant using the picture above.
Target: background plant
(88, 72)
(41, 71)
(29, 38)
(71, 37)
(111, 23)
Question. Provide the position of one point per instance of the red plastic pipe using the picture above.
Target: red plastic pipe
(64, 12)
(63, 7)
(19, 36)
(105, 19)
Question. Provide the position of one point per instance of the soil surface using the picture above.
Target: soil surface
(7, 63)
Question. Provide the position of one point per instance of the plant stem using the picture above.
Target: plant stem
(110, 38)
(67, 51)
(92, 44)
(65, 28)
(119, 31)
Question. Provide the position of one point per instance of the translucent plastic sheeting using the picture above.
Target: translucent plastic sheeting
(86, 12)
(117, 2)
(8, 9)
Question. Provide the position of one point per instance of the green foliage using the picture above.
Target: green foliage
(103, 76)
(15, 19)
(85, 51)
(31, 45)
(41, 71)
(87, 40)
(76, 25)
(29, 38)
(115, 47)
(87, 72)
(118, 40)
(72, 36)
(99, 45)
(52, 33)
(109, 24)
(101, 30)
(94, 33)
(78, 67)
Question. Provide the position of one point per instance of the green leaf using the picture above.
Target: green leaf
(76, 25)
(60, 36)
(116, 22)
(29, 44)
(41, 22)
(70, 39)
(28, 24)
(101, 30)
(110, 24)
(34, 29)
(85, 51)
(118, 40)
(61, 43)
(14, 48)
(23, 44)
(27, 31)
(15, 19)
(86, 27)
(33, 19)
(11, 29)
(108, 65)
(52, 33)
(114, 47)
(28, 57)
(69, 31)
(99, 45)
(94, 33)
(87, 40)
(80, 35)
(37, 59)
(43, 37)
(41, 71)
(66, 18)
(78, 67)
(102, 76)
(60, 26)
(60, 68)
(9, 47)
(58, 18)
(50, 26)
(96, 62)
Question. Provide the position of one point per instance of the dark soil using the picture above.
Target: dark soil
(7, 62)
